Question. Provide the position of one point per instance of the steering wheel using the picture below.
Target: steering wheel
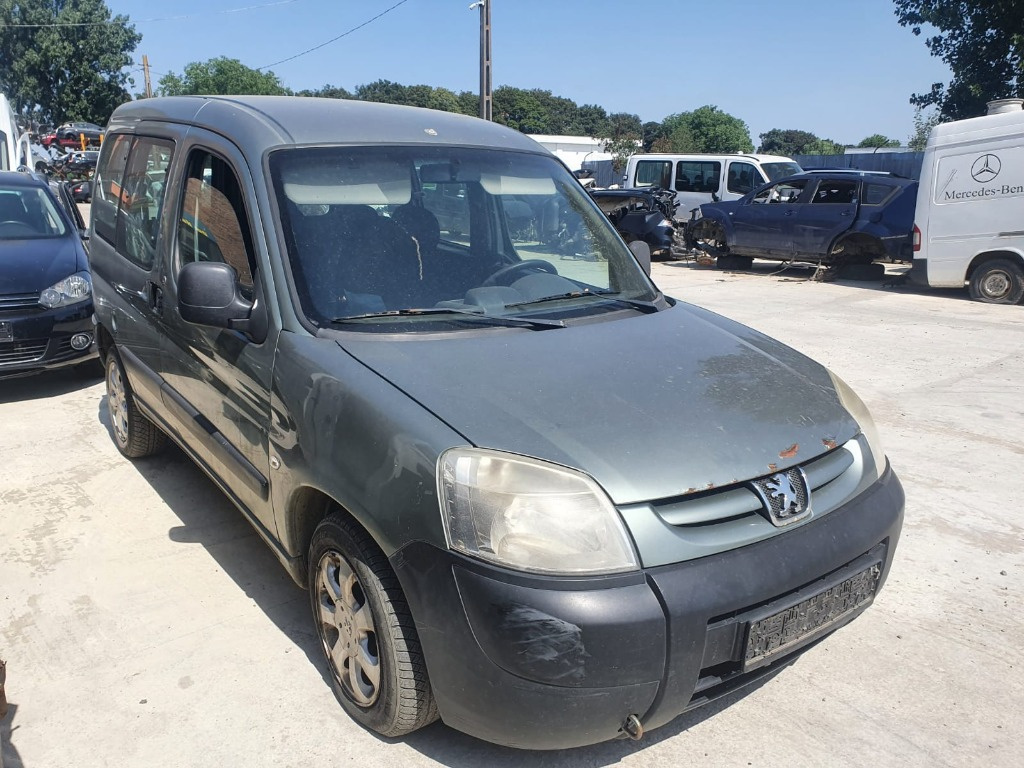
(25, 228)
(504, 275)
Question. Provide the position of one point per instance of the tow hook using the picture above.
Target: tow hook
(633, 728)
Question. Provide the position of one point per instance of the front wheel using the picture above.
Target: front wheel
(366, 631)
(999, 281)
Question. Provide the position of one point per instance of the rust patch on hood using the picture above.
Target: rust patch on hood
(773, 467)
(829, 443)
(790, 452)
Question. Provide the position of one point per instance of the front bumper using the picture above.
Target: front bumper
(551, 663)
(40, 340)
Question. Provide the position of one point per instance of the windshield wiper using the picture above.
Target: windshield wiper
(642, 306)
(464, 314)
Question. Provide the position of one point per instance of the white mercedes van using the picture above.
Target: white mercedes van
(704, 178)
(968, 227)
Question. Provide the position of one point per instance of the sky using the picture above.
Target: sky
(841, 69)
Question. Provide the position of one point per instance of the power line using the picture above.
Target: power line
(148, 21)
(335, 39)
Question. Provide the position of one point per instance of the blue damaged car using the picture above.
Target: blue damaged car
(839, 219)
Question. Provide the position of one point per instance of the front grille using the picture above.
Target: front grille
(16, 302)
(740, 501)
(12, 352)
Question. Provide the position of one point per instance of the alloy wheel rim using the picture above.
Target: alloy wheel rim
(116, 403)
(347, 630)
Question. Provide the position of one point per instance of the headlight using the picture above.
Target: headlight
(70, 290)
(856, 408)
(530, 515)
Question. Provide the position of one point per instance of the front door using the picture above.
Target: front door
(829, 211)
(218, 380)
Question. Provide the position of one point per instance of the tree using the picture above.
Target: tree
(221, 76)
(789, 142)
(824, 147)
(878, 140)
(75, 71)
(327, 92)
(519, 109)
(923, 124)
(675, 135)
(716, 131)
(982, 41)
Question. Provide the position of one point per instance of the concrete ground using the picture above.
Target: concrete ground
(145, 624)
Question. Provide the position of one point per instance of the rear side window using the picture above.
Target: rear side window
(141, 200)
(654, 173)
(698, 176)
(107, 192)
(213, 225)
(876, 194)
(836, 192)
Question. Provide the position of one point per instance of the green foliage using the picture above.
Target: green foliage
(982, 41)
(67, 72)
(923, 124)
(823, 147)
(327, 92)
(221, 76)
(706, 129)
(786, 141)
(878, 140)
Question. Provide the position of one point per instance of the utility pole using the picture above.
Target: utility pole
(485, 57)
(145, 70)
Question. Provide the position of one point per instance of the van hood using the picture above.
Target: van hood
(34, 264)
(651, 406)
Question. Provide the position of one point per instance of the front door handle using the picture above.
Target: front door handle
(156, 298)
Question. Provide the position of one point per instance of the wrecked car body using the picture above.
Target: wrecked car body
(641, 214)
(528, 494)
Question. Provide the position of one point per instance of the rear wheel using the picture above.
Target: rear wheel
(366, 631)
(134, 435)
(999, 281)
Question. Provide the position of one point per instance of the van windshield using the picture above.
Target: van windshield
(781, 170)
(374, 232)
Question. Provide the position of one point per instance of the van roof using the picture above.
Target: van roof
(986, 126)
(256, 123)
(711, 155)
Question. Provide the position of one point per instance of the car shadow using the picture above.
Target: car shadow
(896, 279)
(45, 384)
(209, 519)
(8, 752)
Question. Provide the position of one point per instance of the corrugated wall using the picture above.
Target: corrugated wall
(905, 164)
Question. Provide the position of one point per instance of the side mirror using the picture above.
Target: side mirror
(642, 252)
(208, 294)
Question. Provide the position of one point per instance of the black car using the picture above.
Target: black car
(838, 219)
(45, 286)
(641, 214)
(81, 191)
(77, 164)
(71, 134)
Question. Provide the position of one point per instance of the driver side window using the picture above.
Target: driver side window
(212, 225)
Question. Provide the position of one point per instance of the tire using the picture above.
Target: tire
(367, 632)
(732, 261)
(999, 281)
(134, 435)
(862, 272)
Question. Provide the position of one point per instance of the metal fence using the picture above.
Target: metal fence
(905, 164)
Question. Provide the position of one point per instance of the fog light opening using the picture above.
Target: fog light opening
(81, 341)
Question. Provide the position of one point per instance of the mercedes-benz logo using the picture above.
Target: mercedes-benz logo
(985, 169)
